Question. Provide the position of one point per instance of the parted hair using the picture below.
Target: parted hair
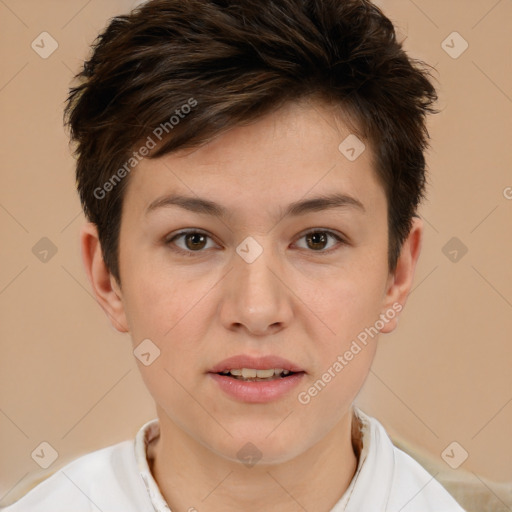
(173, 74)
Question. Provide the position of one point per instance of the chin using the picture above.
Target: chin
(249, 448)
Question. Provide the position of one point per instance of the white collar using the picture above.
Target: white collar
(370, 437)
(371, 485)
(148, 432)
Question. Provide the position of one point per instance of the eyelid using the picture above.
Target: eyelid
(169, 239)
(340, 238)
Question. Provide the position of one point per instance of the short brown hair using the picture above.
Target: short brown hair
(239, 60)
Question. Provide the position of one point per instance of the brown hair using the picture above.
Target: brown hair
(231, 62)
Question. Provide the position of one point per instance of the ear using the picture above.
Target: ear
(400, 281)
(105, 287)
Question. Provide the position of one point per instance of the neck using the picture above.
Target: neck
(191, 476)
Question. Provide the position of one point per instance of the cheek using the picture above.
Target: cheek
(346, 354)
(347, 302)
(166, 310)
(349, 305)
(160, 304)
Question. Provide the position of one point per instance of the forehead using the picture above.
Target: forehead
(293, 153)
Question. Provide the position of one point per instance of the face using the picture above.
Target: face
(253, 278)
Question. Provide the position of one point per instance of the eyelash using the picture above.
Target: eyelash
(189, 253)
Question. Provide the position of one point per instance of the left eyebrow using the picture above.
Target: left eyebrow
(207, 207)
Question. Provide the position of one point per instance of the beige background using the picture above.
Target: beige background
(68, 378)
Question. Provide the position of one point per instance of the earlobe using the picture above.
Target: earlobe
(400, 283)
(104, 285)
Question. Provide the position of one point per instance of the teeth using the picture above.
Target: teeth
(251, 373)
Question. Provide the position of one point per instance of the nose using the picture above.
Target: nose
(256, 297)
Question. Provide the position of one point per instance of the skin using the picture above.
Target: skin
(292, 301)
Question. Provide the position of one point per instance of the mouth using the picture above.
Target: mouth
(259, 379)
(262, 368)
(256, 385)
(254, 375)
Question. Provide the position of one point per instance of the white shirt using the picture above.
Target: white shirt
(118, 479)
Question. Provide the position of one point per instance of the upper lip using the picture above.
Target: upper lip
(257, 363)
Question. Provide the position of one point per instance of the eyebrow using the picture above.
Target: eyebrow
(207, 207)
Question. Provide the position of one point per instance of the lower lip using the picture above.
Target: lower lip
(259, 391)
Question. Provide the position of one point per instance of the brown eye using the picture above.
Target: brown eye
(318, 240)
(193, 242)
